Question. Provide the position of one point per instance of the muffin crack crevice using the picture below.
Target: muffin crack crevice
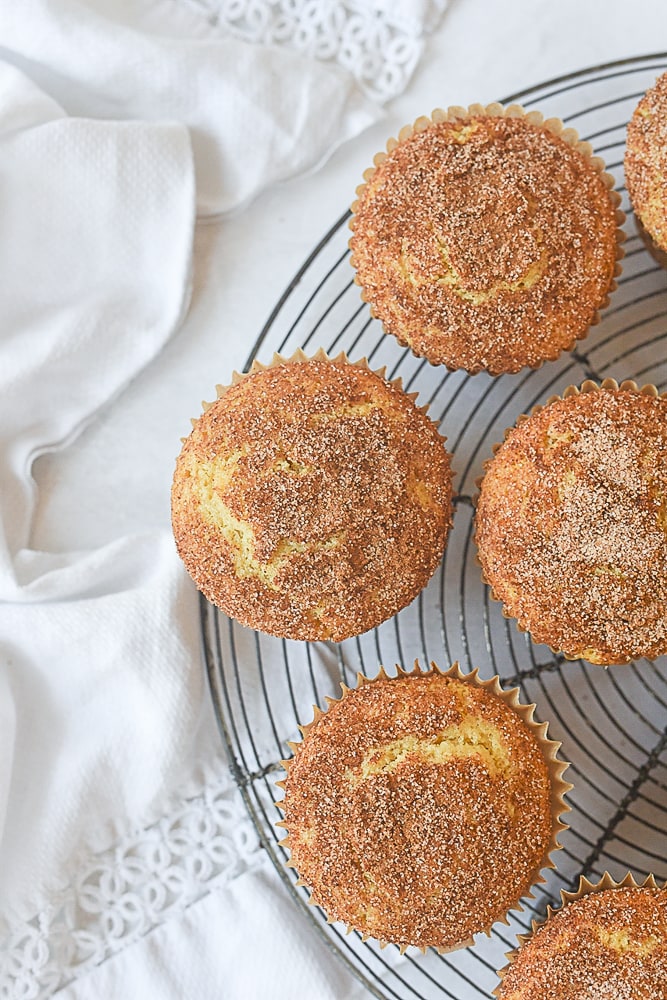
(458, 742)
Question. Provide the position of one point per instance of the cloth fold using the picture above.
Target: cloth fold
(95, 262)
(95, 266)
(257, 114)
(112, 138)
(112, 717)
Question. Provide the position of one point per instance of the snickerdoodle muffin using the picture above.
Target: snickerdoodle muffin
(571, 523)
(312, 499)
(420, 808)
(646, 167)
(607, 942)
(486, 238)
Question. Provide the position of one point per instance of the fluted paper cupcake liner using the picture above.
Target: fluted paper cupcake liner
(549, 750)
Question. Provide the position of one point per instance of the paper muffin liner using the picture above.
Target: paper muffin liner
(588, 385)
(536, 118)
(341, 359)
(585, 888)
(557, 767)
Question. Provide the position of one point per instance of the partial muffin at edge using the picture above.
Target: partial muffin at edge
(312, 500)
(646, 166)
(484, 240)
(421, 808)
(571, 523)
(610, 943)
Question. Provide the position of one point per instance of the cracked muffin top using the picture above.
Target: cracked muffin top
(312, 500)
(486, 241)
(420, 808)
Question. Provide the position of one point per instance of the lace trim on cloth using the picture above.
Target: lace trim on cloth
(128, 890)
(379, 42)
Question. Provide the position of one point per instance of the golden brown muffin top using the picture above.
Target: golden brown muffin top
(646, 161)
(485, 243)
(571, 523)
(608, 945)
(419, 809)
(312, 500)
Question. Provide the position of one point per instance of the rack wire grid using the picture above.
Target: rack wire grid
(612, 723)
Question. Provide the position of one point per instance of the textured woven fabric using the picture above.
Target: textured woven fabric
(119, 123)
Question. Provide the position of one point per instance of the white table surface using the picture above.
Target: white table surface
(481, 51)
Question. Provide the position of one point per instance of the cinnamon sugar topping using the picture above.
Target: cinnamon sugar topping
(572, 522)
(420, 808)
(608, 945)
(485, 243)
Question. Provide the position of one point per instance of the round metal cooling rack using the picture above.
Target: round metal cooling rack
(612, 723)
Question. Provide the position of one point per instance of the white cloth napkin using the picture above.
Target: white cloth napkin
(95, 259)
(265, 953)
(257, 114)
(112, 138)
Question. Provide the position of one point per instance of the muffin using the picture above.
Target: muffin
(571, 519)
(608, 941)
(646, 167)
(487, 238)
(420, 808)
(312, 500)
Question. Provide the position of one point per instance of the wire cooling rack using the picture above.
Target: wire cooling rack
(612, 723)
